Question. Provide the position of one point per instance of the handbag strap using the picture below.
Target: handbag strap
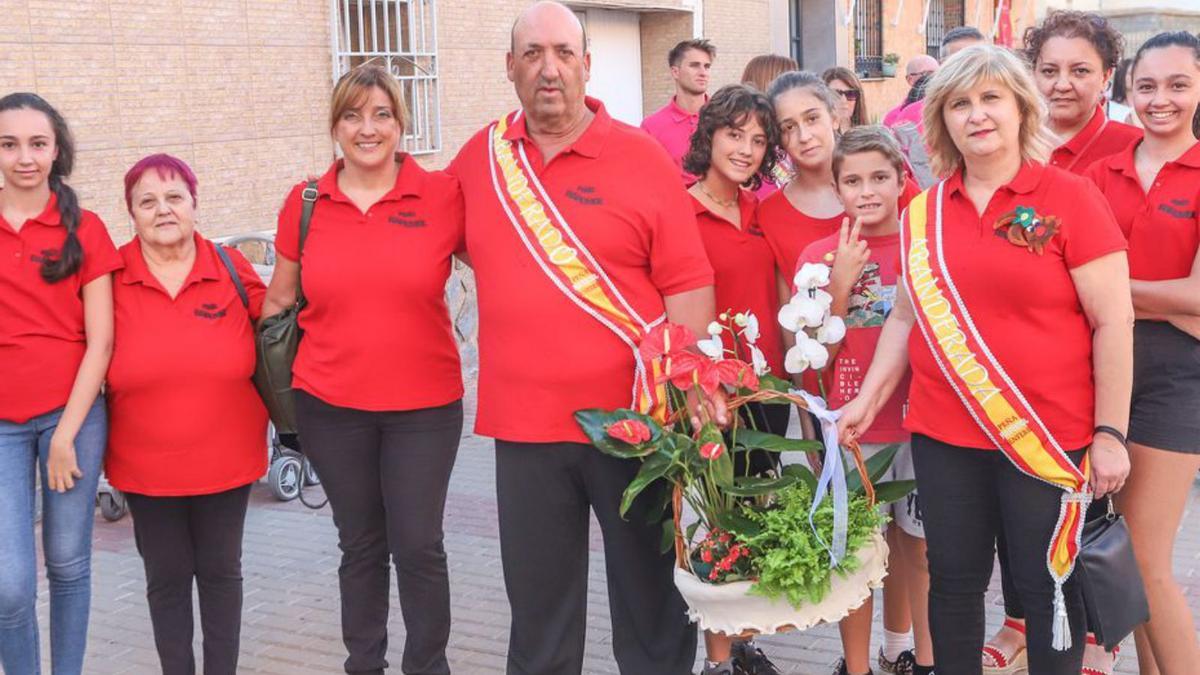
(309, 196)
(237, 281)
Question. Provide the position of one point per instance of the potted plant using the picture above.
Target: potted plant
(754, 553)
(890, 61)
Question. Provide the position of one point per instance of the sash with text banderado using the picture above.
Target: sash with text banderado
(993, 399)
(568, 263)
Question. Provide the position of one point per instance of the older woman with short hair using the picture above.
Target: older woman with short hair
(186, 425)
(1016, 279)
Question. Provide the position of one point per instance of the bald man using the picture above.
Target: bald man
(560, 199)
(917, 67)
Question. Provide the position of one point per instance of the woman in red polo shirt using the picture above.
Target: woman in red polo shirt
(732, 152)
(1074, 55)
(187, 427)
(56, 328)
(1154, 190)
(377, 376)
(1021, 359)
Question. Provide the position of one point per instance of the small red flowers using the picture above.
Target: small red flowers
(630, 431)
(712, 451)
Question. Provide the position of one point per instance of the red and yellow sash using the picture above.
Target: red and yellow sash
(993, 399)
(567, 261)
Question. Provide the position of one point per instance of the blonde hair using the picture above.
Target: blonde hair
(761, 70)
(352, 89)
(975, 64)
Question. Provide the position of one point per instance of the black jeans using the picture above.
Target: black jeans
(544, 492)
(386, 475)
(967, 497)
(186, 538)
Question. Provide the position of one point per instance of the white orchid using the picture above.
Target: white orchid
(758, 361)
(739, 319)
(714, 328)
(822, 298)
(713, 348)
(750, 328)
(832, 330)
(794, 361)
(814, 352)
(811, 275)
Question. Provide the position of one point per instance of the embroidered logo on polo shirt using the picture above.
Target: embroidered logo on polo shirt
(1176, 209)
(406, 219)
(209, 311)
(584, 195)
(45, 255)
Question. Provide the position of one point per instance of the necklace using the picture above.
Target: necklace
(720, 202)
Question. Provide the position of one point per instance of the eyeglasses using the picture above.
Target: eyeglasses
(848, 94)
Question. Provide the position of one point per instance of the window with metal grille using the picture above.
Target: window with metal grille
(795, 36)
(868, 38)
(400, 35)
(943, 15)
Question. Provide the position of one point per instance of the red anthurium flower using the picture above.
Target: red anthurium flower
(737, 373)
(666, 339)
(630, 431)
(687, 370)
(711, 451)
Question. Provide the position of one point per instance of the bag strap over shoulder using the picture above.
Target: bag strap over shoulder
(309, 196)
(237, 281)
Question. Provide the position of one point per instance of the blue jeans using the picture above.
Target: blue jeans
(66, 543)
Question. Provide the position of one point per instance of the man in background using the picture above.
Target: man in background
(672, 126)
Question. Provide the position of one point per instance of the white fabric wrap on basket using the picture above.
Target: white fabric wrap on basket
(730, 609)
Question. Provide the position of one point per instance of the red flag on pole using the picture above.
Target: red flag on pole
(1003, 33)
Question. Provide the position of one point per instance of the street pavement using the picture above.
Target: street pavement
(290, 624)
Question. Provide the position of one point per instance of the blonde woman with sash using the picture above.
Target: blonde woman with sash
(1015, 278)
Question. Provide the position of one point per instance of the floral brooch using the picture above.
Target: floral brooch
(1024, 227)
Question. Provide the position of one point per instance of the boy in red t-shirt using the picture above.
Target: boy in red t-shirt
(868, 168)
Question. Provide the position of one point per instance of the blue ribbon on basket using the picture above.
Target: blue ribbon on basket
(832, 480)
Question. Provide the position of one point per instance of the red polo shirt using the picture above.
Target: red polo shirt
(42, 338)
(1024, 305)
(744, 269)
(1098, 139)
(673, 127)
(1162, 226)
(790, 231)
(377, 332)
(541, 357)
(184, 417)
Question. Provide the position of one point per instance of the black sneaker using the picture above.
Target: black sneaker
(729, 667)
(840, 668)
(753, 660)
(905, 663)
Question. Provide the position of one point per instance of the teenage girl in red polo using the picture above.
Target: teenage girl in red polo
(56, 336)
(1154, 190)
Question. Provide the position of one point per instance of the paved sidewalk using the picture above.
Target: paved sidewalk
(291, 607)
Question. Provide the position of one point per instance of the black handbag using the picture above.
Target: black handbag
(1113, 594)
(278, 337)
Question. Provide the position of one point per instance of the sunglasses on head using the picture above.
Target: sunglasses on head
(848, 94)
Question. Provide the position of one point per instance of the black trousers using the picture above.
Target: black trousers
(186, 538)
(968, 497)
(386, 475)
(545, 491)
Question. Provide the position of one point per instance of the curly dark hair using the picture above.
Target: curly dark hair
(1092, 27)
(730, 107)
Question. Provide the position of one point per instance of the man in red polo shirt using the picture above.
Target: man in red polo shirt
(555, 184)
(673, 125)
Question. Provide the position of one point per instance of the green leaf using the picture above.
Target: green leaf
(737, 523)
(772, 383)
(721, 467)
(595, 422)
(877, 465)
(691, 531)
(668, 536)
(804, 474)
(760, 440)
(661, 506)
(653, 468)
(754, 486)
(893, 490)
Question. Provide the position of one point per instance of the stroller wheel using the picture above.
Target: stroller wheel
(284, 477)
(112, 505)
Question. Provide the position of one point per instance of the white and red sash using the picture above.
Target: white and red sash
(566, 261)
(994, 401)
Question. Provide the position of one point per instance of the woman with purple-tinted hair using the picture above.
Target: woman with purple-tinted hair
(186, 426)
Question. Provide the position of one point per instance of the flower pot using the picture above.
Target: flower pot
(732, 610)
(889, 69)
